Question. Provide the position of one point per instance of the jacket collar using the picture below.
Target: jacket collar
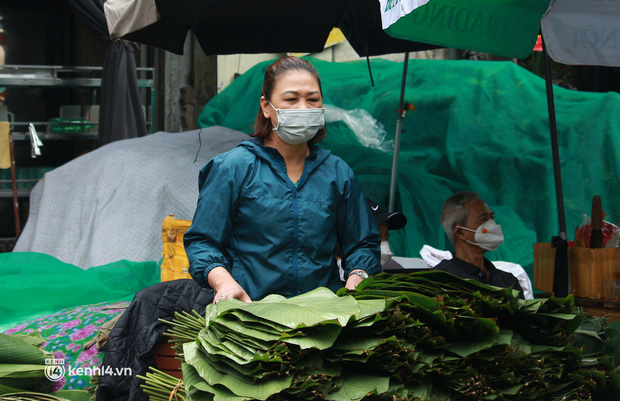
(274, 158)
(473, 269)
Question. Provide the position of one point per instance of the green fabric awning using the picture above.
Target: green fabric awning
(502, 27)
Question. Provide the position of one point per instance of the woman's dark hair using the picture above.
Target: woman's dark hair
(262, 125)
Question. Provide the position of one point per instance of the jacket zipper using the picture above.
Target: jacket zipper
(295, 239)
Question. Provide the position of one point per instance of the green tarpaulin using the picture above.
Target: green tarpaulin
(34, 285)
(477, 125)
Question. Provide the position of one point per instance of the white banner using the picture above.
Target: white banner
(583, 32)
(126, 16)
(393, 10)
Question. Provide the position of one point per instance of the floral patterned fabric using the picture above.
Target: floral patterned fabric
(67, 332)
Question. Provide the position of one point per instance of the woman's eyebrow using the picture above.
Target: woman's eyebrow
(293, 92)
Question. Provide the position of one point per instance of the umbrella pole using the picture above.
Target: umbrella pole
(399, 124)
(14, 186)
(554, 146)
(561, 283)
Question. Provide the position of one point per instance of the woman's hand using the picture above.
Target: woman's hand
(225, 286)
(353, 281)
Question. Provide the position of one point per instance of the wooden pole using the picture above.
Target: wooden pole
(14, 186)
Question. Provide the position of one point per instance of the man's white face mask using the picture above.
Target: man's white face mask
(386, 253)
(489, 236)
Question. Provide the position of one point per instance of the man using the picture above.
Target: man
(385, 222)
(470, 227)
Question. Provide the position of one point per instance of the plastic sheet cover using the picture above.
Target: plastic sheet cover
(478, 125)
(109, 204)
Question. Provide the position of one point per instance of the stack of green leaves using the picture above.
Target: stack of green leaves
(274, 346)
(22, 371)
(22, 364)
(421, 336)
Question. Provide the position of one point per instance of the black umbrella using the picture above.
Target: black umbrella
(249, 26)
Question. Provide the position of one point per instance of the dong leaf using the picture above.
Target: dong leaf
(199, 390)
(320, 336)
(238, 387)
(307, 309)
(19, 349)
(469, 346)
(356, 386)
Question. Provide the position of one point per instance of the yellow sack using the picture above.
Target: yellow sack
(5, 152)
(175, 264)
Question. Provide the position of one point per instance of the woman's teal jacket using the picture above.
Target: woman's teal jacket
(274, 236)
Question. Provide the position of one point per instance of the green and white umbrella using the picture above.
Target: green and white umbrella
(576, 32)
(506, 28)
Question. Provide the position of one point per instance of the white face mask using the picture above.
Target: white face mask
(488, 236)
(386, 253)
(296, 126)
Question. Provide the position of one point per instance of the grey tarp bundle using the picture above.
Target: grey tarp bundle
(120, 115)
(109, 204)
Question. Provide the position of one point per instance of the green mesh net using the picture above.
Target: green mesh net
(477, 125)
(33, 284)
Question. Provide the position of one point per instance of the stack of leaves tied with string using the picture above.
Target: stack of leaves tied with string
(421, 336)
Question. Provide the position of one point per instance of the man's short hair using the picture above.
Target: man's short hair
(453, 213)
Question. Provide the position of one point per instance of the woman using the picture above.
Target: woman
(272, 212)
(270, 216)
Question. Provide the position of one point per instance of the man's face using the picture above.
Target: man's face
(479, 213)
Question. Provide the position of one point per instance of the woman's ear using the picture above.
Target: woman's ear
(264, 105)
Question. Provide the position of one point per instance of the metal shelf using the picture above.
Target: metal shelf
(22, 136)
(49, 135)
(68, 77)
(21, 193)
(45, 75)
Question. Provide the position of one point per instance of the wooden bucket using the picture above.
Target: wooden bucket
(589, 269)
(166, 360)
